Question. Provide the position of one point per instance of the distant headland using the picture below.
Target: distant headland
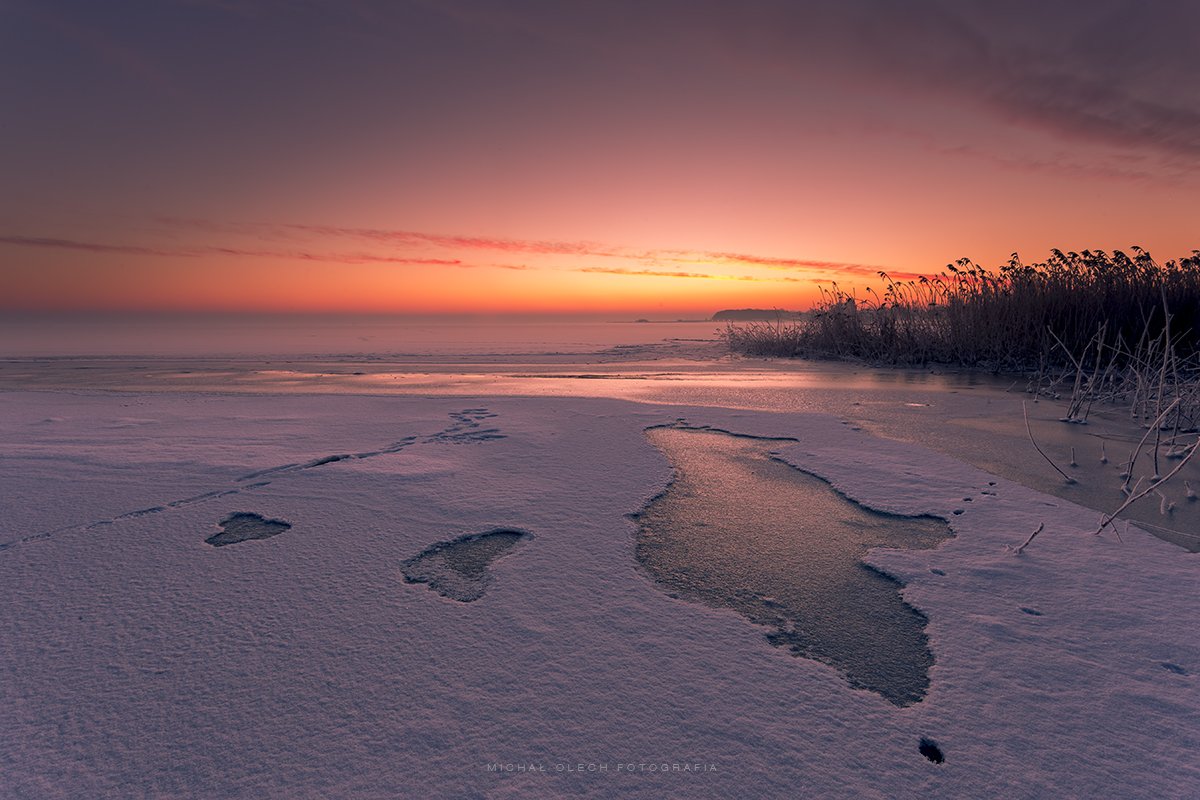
(753, 314)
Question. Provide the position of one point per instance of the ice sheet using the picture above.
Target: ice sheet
(137, 660)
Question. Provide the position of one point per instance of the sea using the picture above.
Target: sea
(244, 335)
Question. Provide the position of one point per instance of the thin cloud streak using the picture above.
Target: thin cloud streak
(461, 242)
(194, 252)
(531, 246)
(668, 274)
(366, 258)
(801, 264)
(93, 247)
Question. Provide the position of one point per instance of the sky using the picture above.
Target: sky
(653, 157)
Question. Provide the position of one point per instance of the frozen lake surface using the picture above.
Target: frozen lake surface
(341, 656)
(977, 418)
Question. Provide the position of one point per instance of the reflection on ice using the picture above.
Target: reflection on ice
(737, 529)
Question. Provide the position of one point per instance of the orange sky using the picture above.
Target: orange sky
(658, 159)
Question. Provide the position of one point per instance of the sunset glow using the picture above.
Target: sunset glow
(664, 159)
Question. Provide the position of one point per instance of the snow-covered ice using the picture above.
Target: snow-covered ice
(136, 660)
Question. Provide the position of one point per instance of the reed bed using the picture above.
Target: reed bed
(1018, 317)
(1101, 326)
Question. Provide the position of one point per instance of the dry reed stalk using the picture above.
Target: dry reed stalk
(1137, 450)
(1029, 430)
(1133, 498)
(1032, 536)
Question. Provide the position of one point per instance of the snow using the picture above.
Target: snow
(139, 661)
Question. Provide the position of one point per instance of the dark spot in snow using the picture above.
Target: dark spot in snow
(242, 526)
(938, 571)
(930, 750)
(141, 512)
(991, 483)
(958, 511)
(1031, 611)
(1169, 667)
(459, 569)
(967, 500)
(320, 462)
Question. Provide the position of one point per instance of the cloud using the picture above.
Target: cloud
(1064, 164)
(656, 259)
(274, 231)
(206, 250)
(1120, 73)
(805, 264)
(799, 264)
(94, 247)
(786, 263)
(460, 242)
(332, 258)
(668, 274)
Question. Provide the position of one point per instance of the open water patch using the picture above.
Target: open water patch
(242, 526)
(929, 748)
(740, 529)
(461, 568)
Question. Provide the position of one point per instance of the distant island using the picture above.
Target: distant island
(753, 314)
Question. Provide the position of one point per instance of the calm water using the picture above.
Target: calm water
(245, 336)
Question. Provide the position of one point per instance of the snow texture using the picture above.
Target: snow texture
(138, 661)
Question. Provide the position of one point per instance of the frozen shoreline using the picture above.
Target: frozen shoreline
(302, 665)
(975, 417)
